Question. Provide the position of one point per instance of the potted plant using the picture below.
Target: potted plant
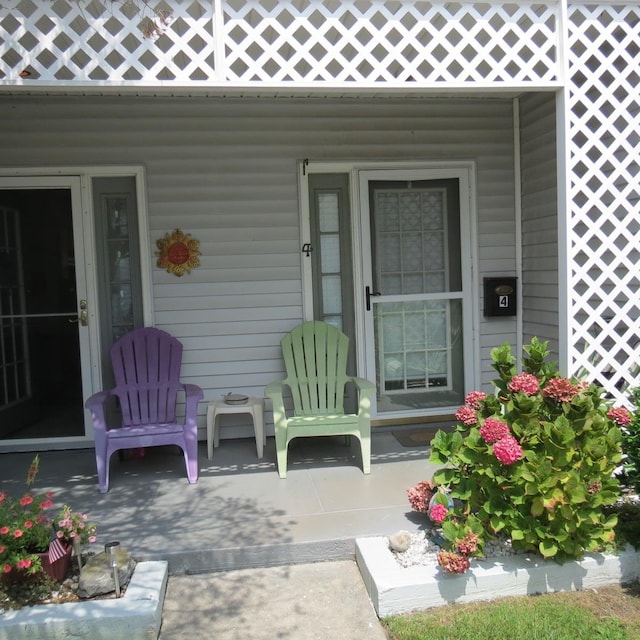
(31, 540)
(532, 462)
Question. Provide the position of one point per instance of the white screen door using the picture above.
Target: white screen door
(414, 235)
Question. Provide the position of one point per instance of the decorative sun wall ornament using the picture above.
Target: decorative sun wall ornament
(178, 252)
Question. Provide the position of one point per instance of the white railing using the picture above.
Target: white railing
(335, 43)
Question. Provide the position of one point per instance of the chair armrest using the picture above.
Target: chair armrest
(96, 404)
(192, 391)
(192, 396)
(366, 389)
(363, 384)
(274, 391)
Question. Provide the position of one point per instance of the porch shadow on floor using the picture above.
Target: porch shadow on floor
(240, 514)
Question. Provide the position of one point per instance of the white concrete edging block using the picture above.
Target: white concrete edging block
(135, 616)
(394, 589)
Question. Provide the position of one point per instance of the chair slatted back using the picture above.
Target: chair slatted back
(315, 356)
(146, 365)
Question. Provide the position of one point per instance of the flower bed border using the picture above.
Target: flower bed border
(136, 616)
(394, 590)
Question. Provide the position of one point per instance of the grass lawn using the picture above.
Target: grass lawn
(608, 613)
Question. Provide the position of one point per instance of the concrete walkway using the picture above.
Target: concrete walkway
(321, 601)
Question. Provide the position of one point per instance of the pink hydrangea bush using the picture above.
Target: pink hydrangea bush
(534, 462)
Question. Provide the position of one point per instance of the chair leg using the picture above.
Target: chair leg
(365, 448)
(282, 447)
(191, 460)
(102, 465)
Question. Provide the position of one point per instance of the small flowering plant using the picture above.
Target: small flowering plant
(27, 527)
(72, 526)
(533, 462)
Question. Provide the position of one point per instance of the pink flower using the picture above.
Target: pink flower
(438, 512)
(6, 568)
(467, 416)
(469, 544)
(493, 430)
(620, 416)
(17, 533)
(560, 389)
(420, 495)
(527, 383)
(453, 562)
(24, 564)
(45, 504)
(28, 524)
(4, 530)
(474, 398)
(507, 450)
(26, 500)
(2, 549)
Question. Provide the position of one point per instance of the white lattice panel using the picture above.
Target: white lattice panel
(377, 41)
(105, 42)
(305, 42)
(604, 139)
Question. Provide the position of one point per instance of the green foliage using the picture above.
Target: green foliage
(534, 461)
(631, 444)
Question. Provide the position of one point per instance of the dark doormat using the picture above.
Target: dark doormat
(419, 437)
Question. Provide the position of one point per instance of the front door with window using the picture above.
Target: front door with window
(414, 227)
(409, 239)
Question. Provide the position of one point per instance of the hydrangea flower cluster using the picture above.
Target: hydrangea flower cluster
(493, 430)
(453, 562)
(525, 383)
(621, 416)
(507, 450)
(438, 512)
(420, 496)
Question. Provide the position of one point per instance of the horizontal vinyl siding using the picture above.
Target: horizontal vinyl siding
(225, 171)
(539, 221)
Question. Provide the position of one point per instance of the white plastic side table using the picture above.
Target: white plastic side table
(253, 406)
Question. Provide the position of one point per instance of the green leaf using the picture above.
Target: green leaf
(516, 534)
(537, 508)
(548, 549)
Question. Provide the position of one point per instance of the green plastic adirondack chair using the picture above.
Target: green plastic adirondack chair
(315, 358)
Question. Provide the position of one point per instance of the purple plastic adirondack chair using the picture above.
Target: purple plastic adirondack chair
(146, 365)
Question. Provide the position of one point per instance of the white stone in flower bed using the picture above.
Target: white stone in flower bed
(394, 589)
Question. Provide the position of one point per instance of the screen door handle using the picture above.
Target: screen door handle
(368, 294)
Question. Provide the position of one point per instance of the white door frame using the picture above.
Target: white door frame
(465, 171)
(78, 180)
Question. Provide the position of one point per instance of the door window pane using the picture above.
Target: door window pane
(419, 354)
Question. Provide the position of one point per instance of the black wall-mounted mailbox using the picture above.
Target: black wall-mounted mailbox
(500, 296)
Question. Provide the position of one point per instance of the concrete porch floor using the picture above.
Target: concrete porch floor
(240, 514)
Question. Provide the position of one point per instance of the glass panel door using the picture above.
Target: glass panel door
(44, 311)
(416, 298)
